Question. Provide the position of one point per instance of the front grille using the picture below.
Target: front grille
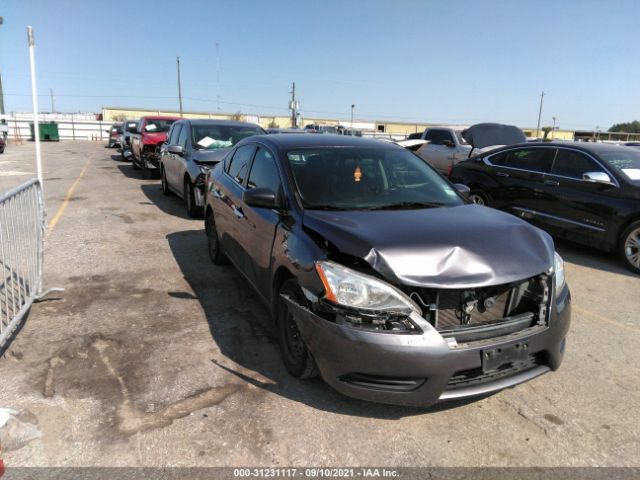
(472, 312)
(476, 376)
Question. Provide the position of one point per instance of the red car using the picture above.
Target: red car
(145, 143)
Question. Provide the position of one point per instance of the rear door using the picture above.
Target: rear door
(258, 232)
(577, 209)
(230, 209)
(519, 176)
(168, 158)
(436, 153)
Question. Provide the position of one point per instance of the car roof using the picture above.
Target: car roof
(288, 141)
(590, 147)
(227, 123)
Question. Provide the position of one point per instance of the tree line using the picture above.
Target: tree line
(628, 127)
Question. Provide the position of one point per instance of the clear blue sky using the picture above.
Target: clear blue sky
(409, 60)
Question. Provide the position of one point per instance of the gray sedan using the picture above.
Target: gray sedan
(193, 147)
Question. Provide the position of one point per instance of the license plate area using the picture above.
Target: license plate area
(495, 358)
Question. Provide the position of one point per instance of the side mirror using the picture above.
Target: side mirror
(260, 197)
(596, 177)
(448, 143)
(462, 190)
(177, 149)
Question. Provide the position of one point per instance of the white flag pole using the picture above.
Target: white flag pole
(34, 96)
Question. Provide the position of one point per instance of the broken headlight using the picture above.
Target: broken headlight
(558, 272)
(355, 290)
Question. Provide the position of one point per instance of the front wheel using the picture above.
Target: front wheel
(630, 247)
(146, 173)
(296, 357)
(190, 200)
(479, 198)
(213, 241)
(165, 185)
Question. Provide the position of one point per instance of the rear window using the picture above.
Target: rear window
(625, 162)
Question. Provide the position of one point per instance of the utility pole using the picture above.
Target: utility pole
(352, 107)
(53, 105)
(553, 129)
(294, 107)
(218, 74)
(539, 115)
(179, 86)
(1, 91)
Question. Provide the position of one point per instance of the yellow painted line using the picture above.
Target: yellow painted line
(66, 200)
(611, 321)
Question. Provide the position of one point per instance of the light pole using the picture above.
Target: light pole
(352, 107)
(179, 86)
(539, 115)
(553, 129)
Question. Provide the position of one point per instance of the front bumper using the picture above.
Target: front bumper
(423, 369)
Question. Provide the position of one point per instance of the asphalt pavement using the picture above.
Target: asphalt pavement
(152, 356)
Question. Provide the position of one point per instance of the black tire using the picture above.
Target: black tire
(216, 254)
(163, 181)
(146, 173)
(296, 357)
(134, 162)
(190, 200)
(629, 247)
(478, 197)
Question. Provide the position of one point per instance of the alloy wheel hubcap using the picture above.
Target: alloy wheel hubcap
(632, 248)
(294, 339)
(477, 199)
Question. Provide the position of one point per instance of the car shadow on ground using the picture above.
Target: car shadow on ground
(591, 257)
(118, 158)
(241, 327)
(173, 205)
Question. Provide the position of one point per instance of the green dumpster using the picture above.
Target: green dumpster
(48, 132)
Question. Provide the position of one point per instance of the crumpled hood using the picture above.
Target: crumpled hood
(483, 135)
(455, 247)
(210, 156)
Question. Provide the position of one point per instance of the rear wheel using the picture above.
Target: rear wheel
(296, 357)
(479, 198)
(165, 185)
(630, 247)
(213, 241)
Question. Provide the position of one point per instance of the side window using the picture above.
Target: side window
(173, 136)
(573, 164)
(532, 159)
(240, 163)
(264, 172)
(182, 139)
(438, 137)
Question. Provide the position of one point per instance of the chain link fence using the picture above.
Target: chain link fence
(21, 254)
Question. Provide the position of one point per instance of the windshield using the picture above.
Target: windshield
(340, 178)
(625, 162)
(212, 137)
(158, 126)
(461, 139)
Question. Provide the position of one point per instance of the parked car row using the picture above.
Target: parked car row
(393, 282)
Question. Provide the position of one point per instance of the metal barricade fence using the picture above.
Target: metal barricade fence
(21, 254)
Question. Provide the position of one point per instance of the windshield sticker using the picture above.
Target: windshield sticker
(357, 174)
(151, 127)
(632, 173)
(208, 142)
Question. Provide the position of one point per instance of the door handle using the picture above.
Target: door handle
(553, 183)
(237, 211)
(501, 174)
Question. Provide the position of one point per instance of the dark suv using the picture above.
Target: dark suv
(378, 273)
(585, 192)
